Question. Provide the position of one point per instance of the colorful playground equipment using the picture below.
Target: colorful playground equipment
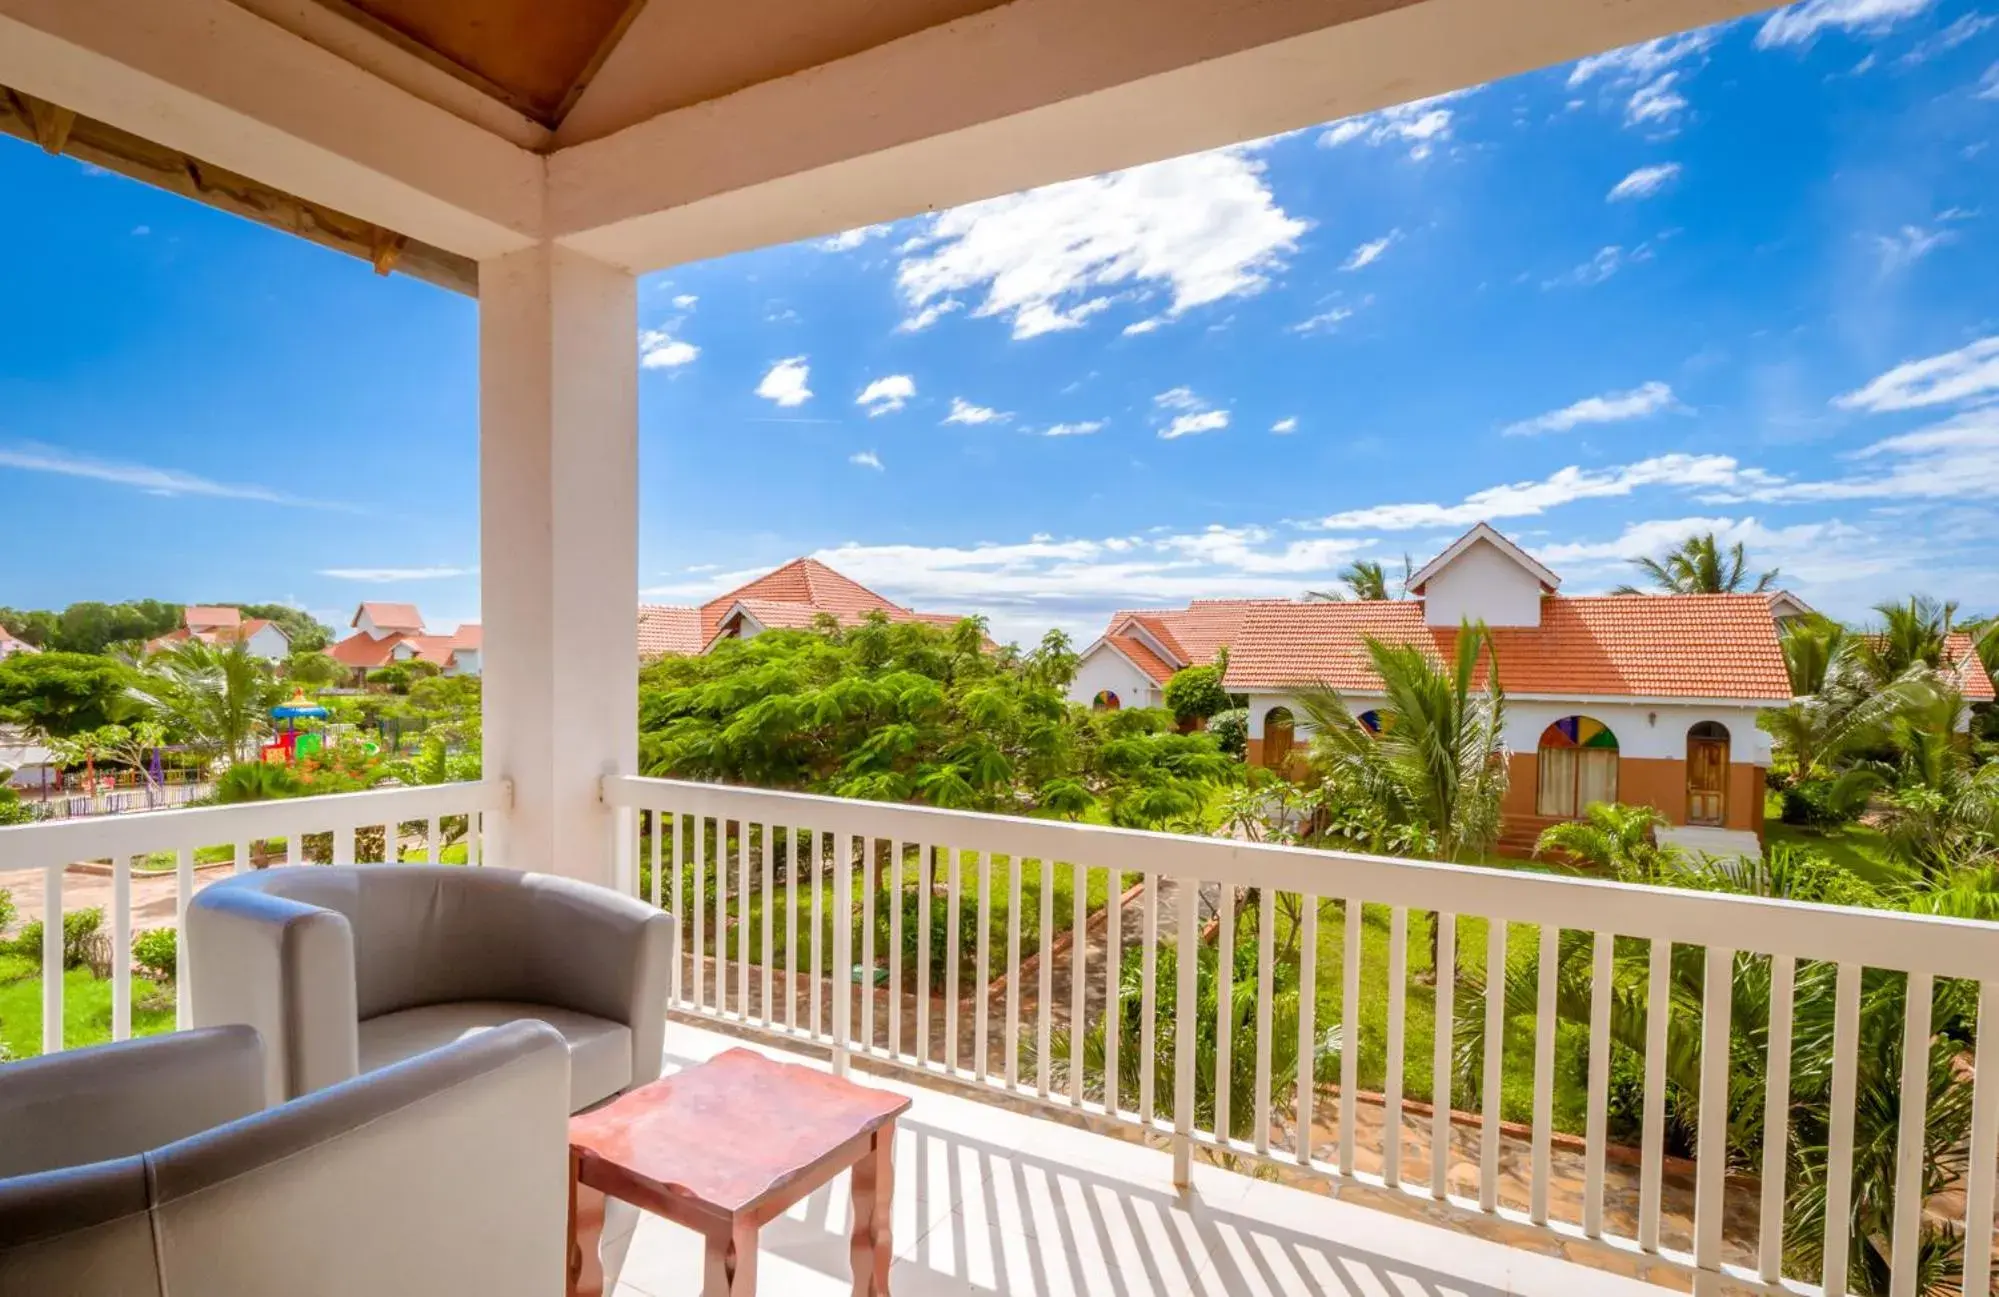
(290, 743)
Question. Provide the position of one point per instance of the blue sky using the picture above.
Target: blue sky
(1743, 279)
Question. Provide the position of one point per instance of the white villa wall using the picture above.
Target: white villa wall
(1643, 730)
(1106, 668)
(269, 643)
(1483, 584)
(366, 625)
(464, 662)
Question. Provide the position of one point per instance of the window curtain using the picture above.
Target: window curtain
(1596, 781)
(1557, 793)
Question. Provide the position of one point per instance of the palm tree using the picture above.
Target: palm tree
(1613, 839)
(1442, 764)
(1698, 565)
(1364, 580)
(217, 697)
(1812, 646)
(1913, 633)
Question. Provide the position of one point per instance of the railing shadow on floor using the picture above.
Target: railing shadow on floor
(1024, 1224)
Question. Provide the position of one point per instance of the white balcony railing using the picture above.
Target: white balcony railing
(386, 822)
(732, 842)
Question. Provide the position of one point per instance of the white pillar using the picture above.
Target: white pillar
(558, 505)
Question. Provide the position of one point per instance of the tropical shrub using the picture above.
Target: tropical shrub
(1195, 693)
(79, 937)
(1230, 731)
(157, 953)
(7, 910)
(257, 781)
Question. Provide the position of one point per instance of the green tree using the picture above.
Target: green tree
(1196, 693)
(216, 698)
(1814, 647)
(311, 668)
(122, 747)
(1912, 633)
(1366, 580)
(1442, 764)
(306, 633)
(1613, 839)
(60, 694)
(1698, 565)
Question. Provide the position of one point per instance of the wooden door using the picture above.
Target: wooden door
(1707, 781)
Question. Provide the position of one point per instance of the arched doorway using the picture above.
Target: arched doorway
(1577, 760)
(1280, 733)
(1707, 773)
(1105, 701)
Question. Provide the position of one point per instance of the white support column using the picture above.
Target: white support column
(558, 458)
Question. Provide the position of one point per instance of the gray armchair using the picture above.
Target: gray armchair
(445, 1174)
(348, 968)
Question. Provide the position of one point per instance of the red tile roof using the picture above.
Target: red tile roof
(391, 616)
(434, 649)
(1142, 657)
(1645, 646)
(665, 629)
(1962, 650)
(363, 650)
(1197, 632)
(469, 635)
(790, 598)
(202, 616)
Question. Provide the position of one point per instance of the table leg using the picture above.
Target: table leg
(586, 1232)
(729, 1268)
(874, 1212)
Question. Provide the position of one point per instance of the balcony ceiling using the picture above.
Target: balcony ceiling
(590, 67)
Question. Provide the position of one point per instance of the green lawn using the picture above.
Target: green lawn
(1420, 1010)
(86, 1008)
(1061, 877)
(1861, 850)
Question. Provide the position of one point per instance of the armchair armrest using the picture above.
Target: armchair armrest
(285, 968)
(114, 1101)
(445, 1173)
(600, 952)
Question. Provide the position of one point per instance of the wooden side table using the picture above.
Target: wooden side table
(725, 1148)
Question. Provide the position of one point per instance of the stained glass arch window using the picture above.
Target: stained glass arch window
(1579, 732)
(1577, 761)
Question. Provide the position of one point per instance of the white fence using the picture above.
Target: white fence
(119, 839)
(732, 841)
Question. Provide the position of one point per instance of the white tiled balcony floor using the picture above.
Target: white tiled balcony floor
(992, 1201)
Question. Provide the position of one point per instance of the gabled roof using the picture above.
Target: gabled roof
(1962, 652)
(365, 651)
(434, 649)
(1482, 532)
(391, 616)
(470, 636)
(803, 581)
(1658, 646)
(206, 616)
(664, 629)
(1195, 633)
(1784, 604)
(1142, 657)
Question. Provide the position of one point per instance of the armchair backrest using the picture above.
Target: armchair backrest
(444, 1173)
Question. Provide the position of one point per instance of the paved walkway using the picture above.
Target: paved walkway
(154, 904)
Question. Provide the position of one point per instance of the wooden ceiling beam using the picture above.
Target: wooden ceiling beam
(61, 131)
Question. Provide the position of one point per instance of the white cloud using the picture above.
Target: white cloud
(1143, 326)
(1083, 429)
(1564, 486)
(1957, 459)
(1203, 228)
(1643, 61)
(1988, 86)
(963, 411)
(392, 575)
(659, 349)
(1419, 124)
(1644, 182)
(31, 457)
(1287, 424)
(1611, 407)
(1801, 23)
(686, 301)
(886, 395)
(1965, 28)
(785, 383)
(1179, 398)
(1193, 425)
(1607, 262)
(1969, 373)
(929, 315)
(848, 240)
(1655, 101)
(1325, 321)
(866, 459)
(1369, 253)
(1907, 246)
